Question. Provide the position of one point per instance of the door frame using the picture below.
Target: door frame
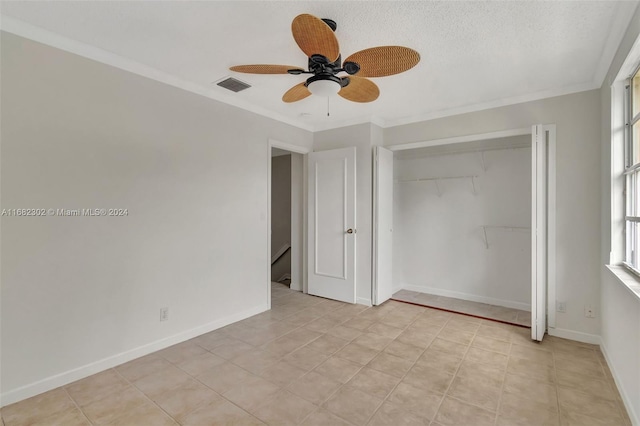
(273, 143)
(551, 195)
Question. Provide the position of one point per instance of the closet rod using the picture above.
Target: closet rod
(437, 178)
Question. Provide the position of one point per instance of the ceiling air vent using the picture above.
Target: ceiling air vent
(233, 84)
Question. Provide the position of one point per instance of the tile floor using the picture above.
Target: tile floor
(313, 361)
(500, 313)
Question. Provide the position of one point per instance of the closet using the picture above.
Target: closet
(463, 224)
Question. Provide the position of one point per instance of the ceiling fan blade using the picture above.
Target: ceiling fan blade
(360, 89)
(315, 37)
(384, 60)
(263, 69)
(296, 93)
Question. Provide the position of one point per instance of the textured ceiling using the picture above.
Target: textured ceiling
(474, 54)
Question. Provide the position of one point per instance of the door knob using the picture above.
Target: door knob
(350, 231)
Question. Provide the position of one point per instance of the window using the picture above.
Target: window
(632, 172)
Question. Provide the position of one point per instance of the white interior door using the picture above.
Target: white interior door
(332, 224)
(538, 232)
(382, 225)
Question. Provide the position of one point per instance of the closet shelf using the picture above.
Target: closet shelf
(501, 228)
(438, 179)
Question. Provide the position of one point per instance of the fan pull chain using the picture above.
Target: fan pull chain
(328, 106)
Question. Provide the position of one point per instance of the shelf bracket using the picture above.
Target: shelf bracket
(437, 181)
(473, 183)
(481, 158)
(486, 240)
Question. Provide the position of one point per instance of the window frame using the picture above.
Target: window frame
(631, 176)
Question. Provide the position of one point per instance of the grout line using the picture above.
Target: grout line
(74, 403)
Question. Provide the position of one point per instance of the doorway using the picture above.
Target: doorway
(286, 217)
(465, 221)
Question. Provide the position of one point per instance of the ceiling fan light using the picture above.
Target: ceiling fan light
(326, 88)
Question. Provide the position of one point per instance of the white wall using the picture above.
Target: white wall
(280, 214)
(620, 320)
(577, 117)
(438, 240)
(80, 294)
(361, 136)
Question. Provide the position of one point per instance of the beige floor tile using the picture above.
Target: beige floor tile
(538, 391)
(37, 408)
(574, 401)
(390, 364)
(323, 324)
(487, 357)
(223, 377)
(489, 344)
(414, 337)
(322, 417)
(353, 405)
(373, 341)
(491, 374)
(468, 324)
(68, 417)
(517, 410)
(455, 335)
(392, 414)
(232, 349)
(114, 405)
(384, 330)
(476, 391)
(213, 339)
(598, 387)
(428, 379)
(357, 353)
(343, 332)
(416, 400)
(580, 366)
(404, 350)
(96, 387)
(145, 414)
(284, 409)
(374, 382)
(523, 367)
(449, 346)
(138, 368)
(494, 332)
(359, 323)
(256, 361)
(185, 398)
(577, 419)
(455, 413)
(162, 381)
(338, 369)
(530, 354)
(220, 413)
(251, 393)
(443, 361)
(306, 358)
(183, 351)
(200, 363)
(327, 344)
(314, 387)
(282, 373)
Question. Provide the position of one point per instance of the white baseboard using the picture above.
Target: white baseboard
(578, 336)
(635, 418)
(49, 383)
(363, 301)
(466, 296)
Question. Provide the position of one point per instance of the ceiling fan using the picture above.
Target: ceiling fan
(317, 40)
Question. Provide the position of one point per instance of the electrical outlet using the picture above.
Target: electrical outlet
(164, 314)
(561, 306)
(589, 312)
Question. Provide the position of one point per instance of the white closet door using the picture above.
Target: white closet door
(382, 225)
(332, 224)
(538, 232)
